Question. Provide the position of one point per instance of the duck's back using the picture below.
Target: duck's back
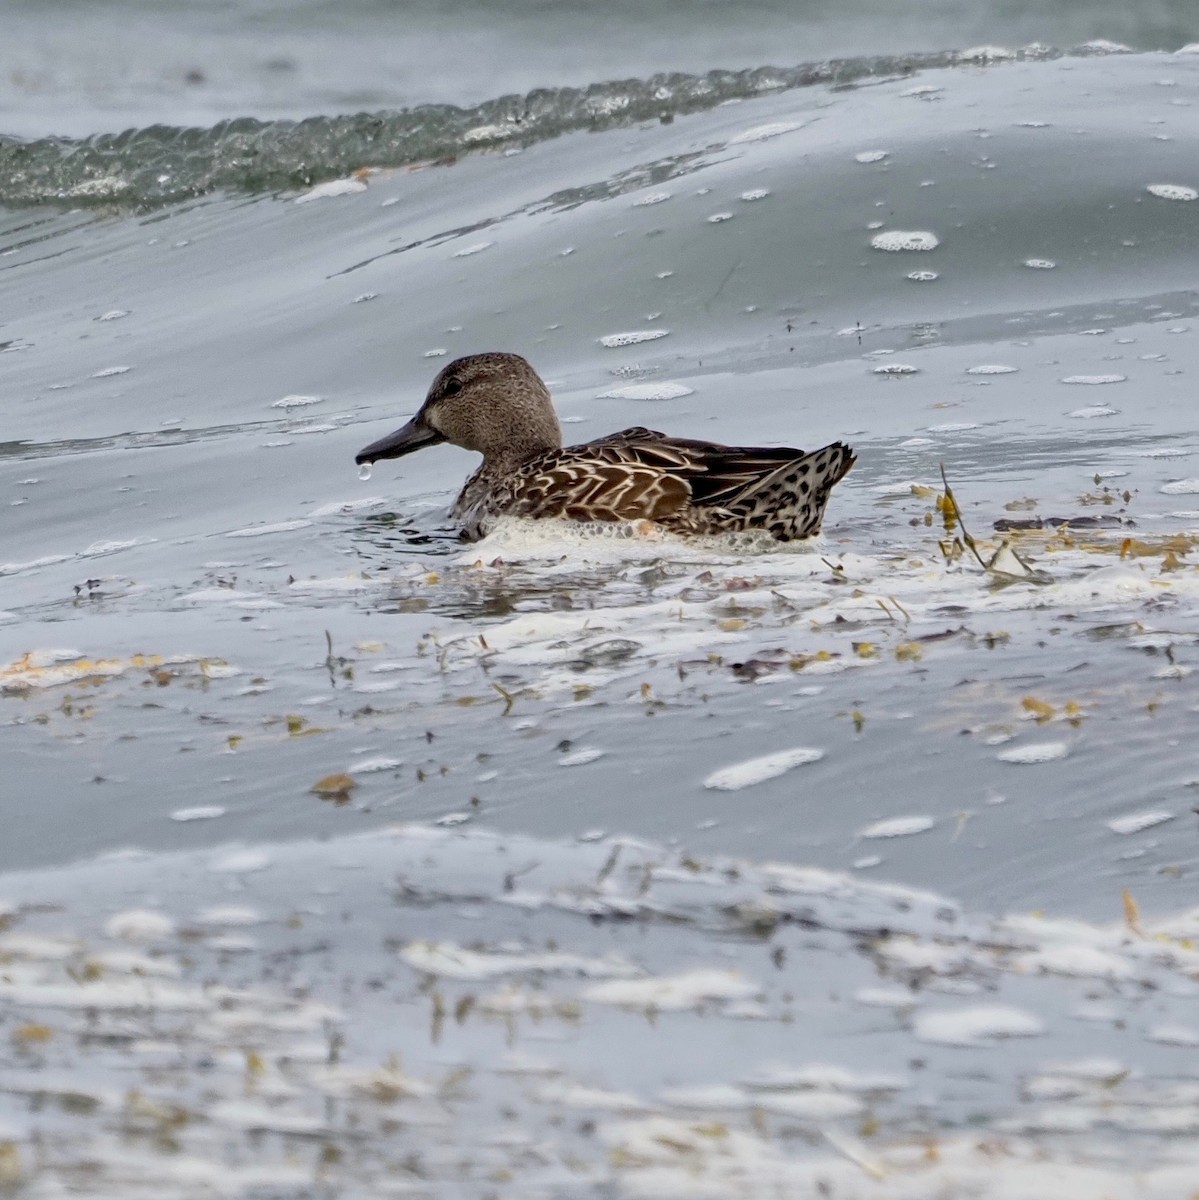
(687, 486)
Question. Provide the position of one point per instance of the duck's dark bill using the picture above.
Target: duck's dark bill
(409, 437)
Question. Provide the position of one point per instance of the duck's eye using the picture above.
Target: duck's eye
(452, 386)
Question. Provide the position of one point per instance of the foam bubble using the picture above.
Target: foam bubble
(651, 199)
(1040, 264)
(1093, 410)
(205, 812)
(905, 239)
(263, 530)
(1172, 191)
(922, 276)
(975, 1026)
(991, 369)
(289, 402)
(379, 762)
(718, 218)
(632, 338)
(896, 369)
(1182, 487)
(1135, 822)
(647, 391)
(1034, 752)
(474, 248)
(1095, 379)
(755, 194)
(871, 156)
(334, 187)
(579, 758)
(759, 133)
(757, 770)
(897, 827)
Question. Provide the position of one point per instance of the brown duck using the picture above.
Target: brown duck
(497, 405)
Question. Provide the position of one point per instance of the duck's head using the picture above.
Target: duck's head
(494, 404)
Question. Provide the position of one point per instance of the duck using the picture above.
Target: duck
(498, 406)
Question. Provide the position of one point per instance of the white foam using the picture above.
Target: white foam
(1095, 379)
(1174, 1035)
(760, 133)
(895, 827)
(632, 338)
(688, 989)
(651, 199)
(473, 248)
(203, 812)
(264, 530)
(1172, 191)
(369, 766)
(1135, 822)
(579, 758)
(896, 369)
(1181, 487)
(1034, 752)
(758, 770)
(647, 391)
(870, 156)
(345, 508)
(922, 276)
(289, 402)
(452, 961)
(334, 187)
(975, 1026)
(1040, 264)
(894, 240)
(139, 925)
(1091, 411)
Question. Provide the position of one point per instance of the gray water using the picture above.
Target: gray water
(204, 613)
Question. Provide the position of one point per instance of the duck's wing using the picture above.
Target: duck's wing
(640, 473)
(627, 476)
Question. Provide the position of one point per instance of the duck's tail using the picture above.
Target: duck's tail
(789, 502)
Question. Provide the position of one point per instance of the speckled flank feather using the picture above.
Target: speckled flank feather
(497, 405)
